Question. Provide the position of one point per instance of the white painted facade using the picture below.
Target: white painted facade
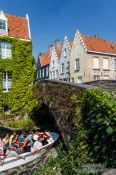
(54, 65)
(64, 66)
(3, 24)
(78, 60)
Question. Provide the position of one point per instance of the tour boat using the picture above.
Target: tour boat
(10, 163)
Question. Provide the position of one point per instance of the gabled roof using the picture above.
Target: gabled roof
(17, 27)
(99, 45)
(45, 59)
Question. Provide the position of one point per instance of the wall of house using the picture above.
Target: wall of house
(101, 72)
(65, 57)
(21, 65)
(78, 51)
(54, 67)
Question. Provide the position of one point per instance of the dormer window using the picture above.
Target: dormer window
(2, 24)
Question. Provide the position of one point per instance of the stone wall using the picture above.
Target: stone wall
(57, 96)
(109, 85)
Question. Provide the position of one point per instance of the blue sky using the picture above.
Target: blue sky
(52, 19)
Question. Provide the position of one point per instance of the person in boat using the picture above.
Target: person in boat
(1, 143)
(14, 135)
(27, 146)
(2, 156)
(30, 137)
(22, 137)
(5, 141)
(37, 145)
(35, 136)
(11, 152)
(45, 136)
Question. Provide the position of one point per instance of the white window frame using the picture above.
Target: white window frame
(96, 77)
(2, 21)
(53, 64)
(77, 64)
(47, 72)
(80, 80)
(40, 75)
(6, 82)
(56, 74)
(96, 63)
(106, 77)
(43, 73)
(72, 79)
(5, 50)
(105, 64)
(68, 66)
(53, 75)
(64, 52)
(62, 68)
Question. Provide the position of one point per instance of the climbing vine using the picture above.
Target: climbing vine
(19, 99)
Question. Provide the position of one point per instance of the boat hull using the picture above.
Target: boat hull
(11, 163)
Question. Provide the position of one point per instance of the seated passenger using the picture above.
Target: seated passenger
(12, 137)
(45, 136)
(2, 156)
(35, 136)
(22, 137)
(37, 145)
(27, 146)
(11, 152)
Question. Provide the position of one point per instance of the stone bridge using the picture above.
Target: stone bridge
(56, 95)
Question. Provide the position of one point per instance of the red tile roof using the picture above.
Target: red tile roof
(99, 45)
(17, 27)
(45, 59)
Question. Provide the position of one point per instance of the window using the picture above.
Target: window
(62, 68)
(95, 63)
(5, 50)
(77, 64)
(105, 63)
(64, 52)
(56, 74)
(53, 74)
(96, 77)
(72, 79)
(6, 81)
(68, 66)
(40, 73)
(106, 77)
(80, 79)
(2, 24)
(47, 73)
(115, 65)
(53, 63)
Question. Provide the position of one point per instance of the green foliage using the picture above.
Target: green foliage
(19, 99)
(95, 138)
(23, 123)
(99, 119)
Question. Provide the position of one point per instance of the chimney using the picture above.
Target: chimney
(58, 44)
(97, 36)
(50, 49)
(40, 54)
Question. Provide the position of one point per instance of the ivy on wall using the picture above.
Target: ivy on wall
(19, 99)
